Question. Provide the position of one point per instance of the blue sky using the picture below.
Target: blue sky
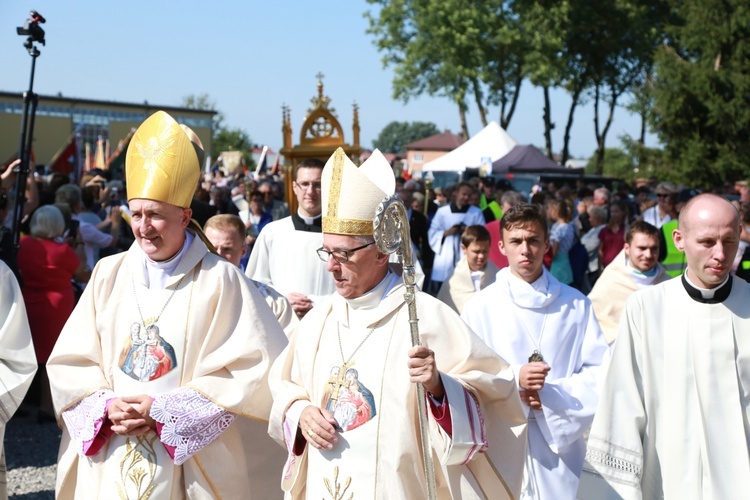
(250, 58)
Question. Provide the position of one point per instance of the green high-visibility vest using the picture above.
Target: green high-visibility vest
(674, 263)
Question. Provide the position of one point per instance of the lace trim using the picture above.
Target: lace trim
(84, 419)
(190, 420)
(615, 463)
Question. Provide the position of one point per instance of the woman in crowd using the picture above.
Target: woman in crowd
(612, 237)
(47, 265)
(561, 238)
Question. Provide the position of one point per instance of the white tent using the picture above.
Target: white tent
(491, 142)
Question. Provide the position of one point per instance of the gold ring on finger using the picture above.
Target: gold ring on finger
(310, 433)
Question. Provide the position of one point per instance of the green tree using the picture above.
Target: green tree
(702, 91)
(631, 161)
(396, 135)
(223, 138)
(454, 49)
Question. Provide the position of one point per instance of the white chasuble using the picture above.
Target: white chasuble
(204, 366)
(517, 319)
(378, 454)
(673, 420)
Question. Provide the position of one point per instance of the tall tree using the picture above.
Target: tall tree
(223, 138)
(702, 91)
(396, 135)
(454, 49)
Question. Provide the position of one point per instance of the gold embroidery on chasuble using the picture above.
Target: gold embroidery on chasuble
(138, 468)
(337, 490)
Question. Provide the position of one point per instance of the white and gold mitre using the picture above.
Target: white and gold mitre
(163, 161)
(350, 195)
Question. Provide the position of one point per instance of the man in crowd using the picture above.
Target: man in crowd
(661, 213)
(549, 334)
(445, 232)
(473, 272)
(673, 418)
(227, 234)
(671, 257)
(17, 359)
(168, 346)
(92, 237)
(277, 208)
(344, 391)
(634, 269)
(284, 253)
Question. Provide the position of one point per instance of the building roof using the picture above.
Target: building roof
(445, 141)
(80, 100)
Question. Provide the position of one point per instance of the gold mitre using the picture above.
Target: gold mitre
(162, 162)
(350, 195)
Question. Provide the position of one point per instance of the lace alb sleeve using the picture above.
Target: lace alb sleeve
(85, 418)
(190, 421)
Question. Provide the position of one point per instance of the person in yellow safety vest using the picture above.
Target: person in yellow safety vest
(670, 257)
(490, 194)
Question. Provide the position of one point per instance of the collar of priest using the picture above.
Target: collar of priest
(713, 296)
(301, 225)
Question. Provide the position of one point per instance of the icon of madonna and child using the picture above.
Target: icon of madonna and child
(347, 399)
(146, 355)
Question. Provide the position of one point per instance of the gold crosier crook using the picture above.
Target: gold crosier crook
(391, 232)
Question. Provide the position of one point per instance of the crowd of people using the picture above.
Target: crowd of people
(574, 342)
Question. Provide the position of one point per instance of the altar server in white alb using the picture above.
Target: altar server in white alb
(284, 257)
(166, 355)
(17, 359)
(445, 231)
(344, 390)
(674, 419)
(549, 334)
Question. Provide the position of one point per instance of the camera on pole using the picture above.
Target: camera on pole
(34, 34)
(32, 29)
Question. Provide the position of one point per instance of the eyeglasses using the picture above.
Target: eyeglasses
(304, 186)
(662, 195)
(340, 256)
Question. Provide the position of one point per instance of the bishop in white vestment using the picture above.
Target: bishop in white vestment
(168, 347)
(344, 390)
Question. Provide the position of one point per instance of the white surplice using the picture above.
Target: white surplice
(673, 418)
(617, 282)
(285, 259)
(448, 248)
(17, 359)
(516, 318)
(379, 453)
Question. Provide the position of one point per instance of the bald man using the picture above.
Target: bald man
(673, 418)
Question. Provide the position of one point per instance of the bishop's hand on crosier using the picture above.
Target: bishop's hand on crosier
(423, 370)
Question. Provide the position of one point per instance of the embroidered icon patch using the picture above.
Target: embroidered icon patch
(146, 355)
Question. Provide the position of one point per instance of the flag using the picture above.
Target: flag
(261, 166)
(116, 161)
(275, 167)
(88, 164)
(67, 160)
(99, 156)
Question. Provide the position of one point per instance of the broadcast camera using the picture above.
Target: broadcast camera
(32, 29)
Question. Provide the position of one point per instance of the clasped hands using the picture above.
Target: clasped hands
(531, 379)
(129, 415)
(318, 426)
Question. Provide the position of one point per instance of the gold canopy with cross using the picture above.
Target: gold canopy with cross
(320, 136)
